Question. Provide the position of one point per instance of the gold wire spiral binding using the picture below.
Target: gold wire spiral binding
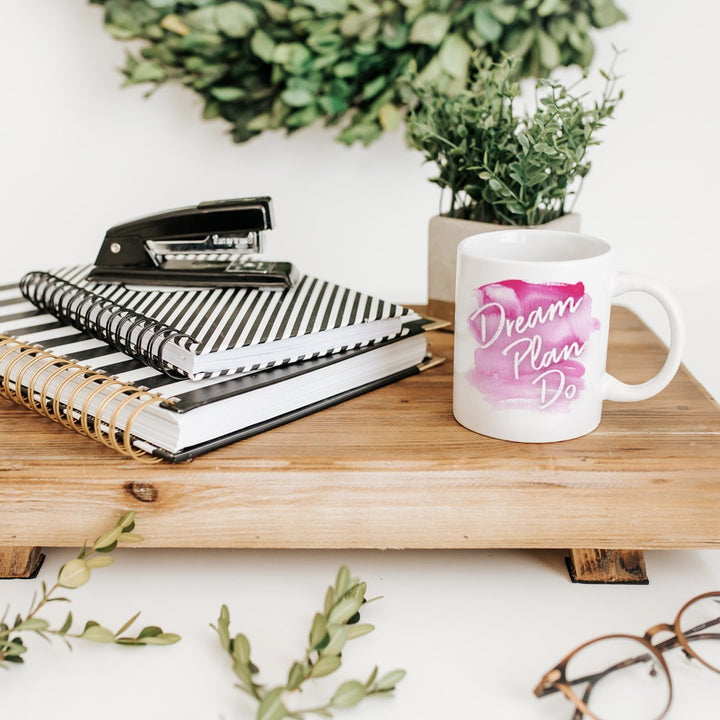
(22, 359)
(127, 448)
(34, 397)
(9, 393)
(47, 407)
(88, 380)
(89, 428)
(62, 414)
(28, 400)
(97, 433)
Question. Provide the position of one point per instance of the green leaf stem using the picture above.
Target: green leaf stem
(330, 632)
(74, 574)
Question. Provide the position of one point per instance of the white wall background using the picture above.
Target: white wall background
(78, 154)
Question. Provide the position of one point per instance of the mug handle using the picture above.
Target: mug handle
(623, 392)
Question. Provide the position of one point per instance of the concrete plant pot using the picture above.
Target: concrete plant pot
(445, 234)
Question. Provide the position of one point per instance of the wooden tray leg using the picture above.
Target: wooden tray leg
(20, 562)
(607, 566)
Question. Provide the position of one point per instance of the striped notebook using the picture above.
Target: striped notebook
(88, 386)
(198, 333)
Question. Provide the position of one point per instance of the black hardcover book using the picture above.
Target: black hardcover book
(87, 385)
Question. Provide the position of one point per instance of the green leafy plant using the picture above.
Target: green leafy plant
(331, 630)
(502, 165)
(269, 64)
(72, 575)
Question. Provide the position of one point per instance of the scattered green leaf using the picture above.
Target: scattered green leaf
(330, 632)
(74, 574)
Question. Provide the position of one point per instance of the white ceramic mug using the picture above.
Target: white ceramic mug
(532, 309)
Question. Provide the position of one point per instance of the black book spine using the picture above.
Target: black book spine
(271, 423)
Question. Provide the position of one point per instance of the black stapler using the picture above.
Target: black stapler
(211, 245)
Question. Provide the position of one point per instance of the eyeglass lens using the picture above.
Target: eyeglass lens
(619, 678)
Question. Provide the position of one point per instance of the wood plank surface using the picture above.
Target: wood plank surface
(392, 469)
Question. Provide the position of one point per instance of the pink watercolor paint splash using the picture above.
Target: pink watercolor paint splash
(531, 340)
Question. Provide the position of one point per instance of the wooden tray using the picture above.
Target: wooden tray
(392, 469)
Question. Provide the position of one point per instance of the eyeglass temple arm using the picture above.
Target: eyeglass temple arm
(668, 644)
(579, 714)
(592, 679)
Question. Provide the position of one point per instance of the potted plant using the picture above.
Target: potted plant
(502, 165)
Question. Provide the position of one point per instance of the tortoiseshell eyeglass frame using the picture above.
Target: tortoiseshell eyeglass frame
(556, 680)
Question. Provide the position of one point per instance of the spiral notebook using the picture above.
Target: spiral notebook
(89, 387)
(195, 333)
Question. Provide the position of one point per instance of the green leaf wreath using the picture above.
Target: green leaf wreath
(271, 64)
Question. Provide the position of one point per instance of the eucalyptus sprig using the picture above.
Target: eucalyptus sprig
(72, 575)
(286, 64)
(502, 164)
(331, 630)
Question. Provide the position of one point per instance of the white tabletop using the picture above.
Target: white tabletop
(474, 630)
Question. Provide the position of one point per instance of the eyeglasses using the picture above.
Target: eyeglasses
(626, 677)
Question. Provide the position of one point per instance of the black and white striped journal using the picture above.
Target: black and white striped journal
(86, 385)
(206, 332)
